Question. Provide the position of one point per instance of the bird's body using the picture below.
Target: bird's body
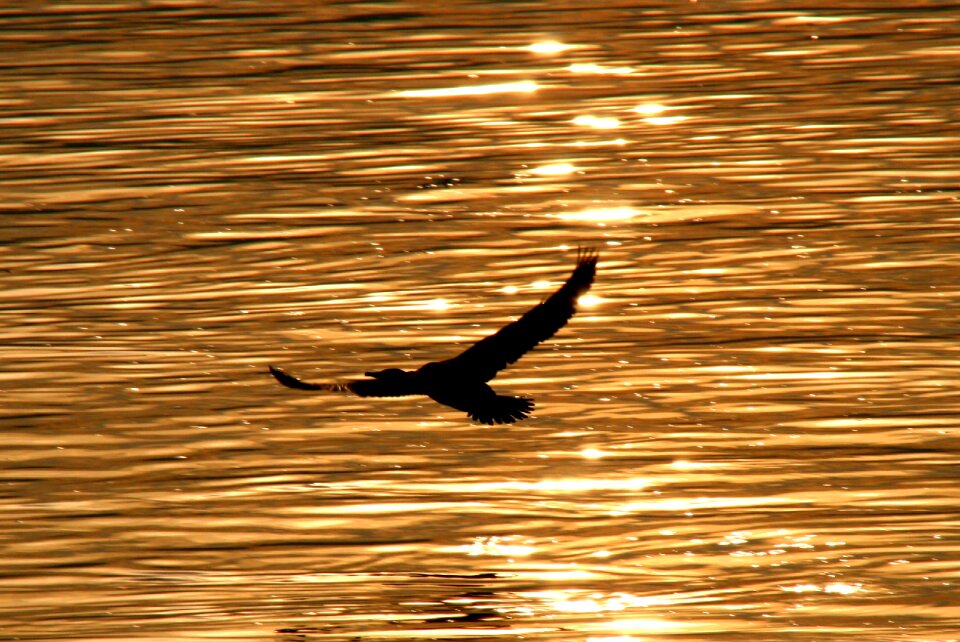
(461, 382)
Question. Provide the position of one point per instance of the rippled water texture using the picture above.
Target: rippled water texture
(749, 432)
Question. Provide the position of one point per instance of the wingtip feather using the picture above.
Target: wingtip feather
(587, 256)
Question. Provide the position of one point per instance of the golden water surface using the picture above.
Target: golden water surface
(749, 432)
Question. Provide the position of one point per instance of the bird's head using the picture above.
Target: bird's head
(390, 374)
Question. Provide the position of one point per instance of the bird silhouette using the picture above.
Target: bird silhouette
(461, 382)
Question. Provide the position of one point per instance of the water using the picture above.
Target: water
(750, 434)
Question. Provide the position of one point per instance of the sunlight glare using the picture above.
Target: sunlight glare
(592, 453)
(840, 588)
(579, 601)
(619, 142)
(525, 86)
(683, 464)
(554, 169)
(664, 120)
(650, 109)
(597, 122)
(600, 214)
(589, 301)
(645, 625)
(652, 112)
(498, 546)
(700, 503)
(548, 47)
(570, 485)
(437, 305)
(593, 68)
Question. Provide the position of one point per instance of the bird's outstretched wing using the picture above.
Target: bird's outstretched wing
(490, 355)
(360, 387)
(501, 409)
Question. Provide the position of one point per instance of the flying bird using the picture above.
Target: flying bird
(461, 382)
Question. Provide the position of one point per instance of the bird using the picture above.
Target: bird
(461, 382)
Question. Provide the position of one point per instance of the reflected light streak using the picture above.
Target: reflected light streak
(589, 301)
(593, 68)
(682, 464)
(597, 122)
(567, 485)
(600, 214)
(438, 305)
(562, 576)
(664, 120)
(650, 109)
(578, 601)
(548, 47)
(644, 625)
(652, 113)
(524, 86)
(697, 503)
(619, 142)
(840, 588)
(592, 453)
(709, 271)
(787, 376)
(497, 545)
(433, 305)
(554, 169)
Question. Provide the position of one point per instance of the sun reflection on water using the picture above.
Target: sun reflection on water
(582, 601)
(597, 214)
(664, 120)
(592, 453)
(839, 588)
(683, 464)
(616, 142)
(548, 47)
(589, 301)
(689, 504)
(438, 305)
(593, 68)
(498, 545)
(587, 602)
(652, 113)
(567, 485)
(523, 86)
(650, 109)
(760, 415)
(553, 169)
(597, 122)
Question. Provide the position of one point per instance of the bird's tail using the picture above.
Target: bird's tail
(299, 384)
(503, 410)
